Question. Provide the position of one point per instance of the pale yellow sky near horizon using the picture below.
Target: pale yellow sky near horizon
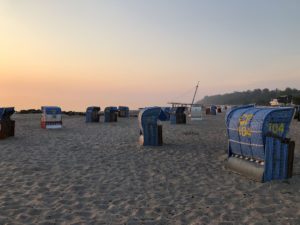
(75, 54)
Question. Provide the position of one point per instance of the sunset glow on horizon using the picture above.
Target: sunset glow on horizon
(141, 53)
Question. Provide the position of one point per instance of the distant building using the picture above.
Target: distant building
(274, 102)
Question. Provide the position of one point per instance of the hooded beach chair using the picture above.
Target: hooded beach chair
(177, 115)
(51, 117)
(7, 126)
(111, 114)
(165, 114)
(213, 110)
(150, 131)
(123, 111)
(196, 113)
(258, 147)
(92, 114)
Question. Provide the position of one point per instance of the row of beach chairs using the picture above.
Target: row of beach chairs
(110, 113)
(52, 116)
(258, 147)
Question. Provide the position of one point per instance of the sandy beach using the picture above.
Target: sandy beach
(98, 174)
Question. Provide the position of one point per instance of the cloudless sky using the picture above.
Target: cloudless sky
(76, 53)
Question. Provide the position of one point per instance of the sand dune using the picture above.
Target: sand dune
(98, 174)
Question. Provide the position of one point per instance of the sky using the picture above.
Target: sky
(77, 53)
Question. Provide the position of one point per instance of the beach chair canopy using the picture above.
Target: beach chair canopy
(124, 108)
(248, 126)
(165, 114)
(177, 110)
(213, 107)
(148, 115)
(93, 109)
(111, 109)
(5, 113)
(51, 110)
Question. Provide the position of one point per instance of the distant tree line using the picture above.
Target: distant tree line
(38, 111)
(30, 111)
(256, 96)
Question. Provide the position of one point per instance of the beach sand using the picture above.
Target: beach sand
(98, 174)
